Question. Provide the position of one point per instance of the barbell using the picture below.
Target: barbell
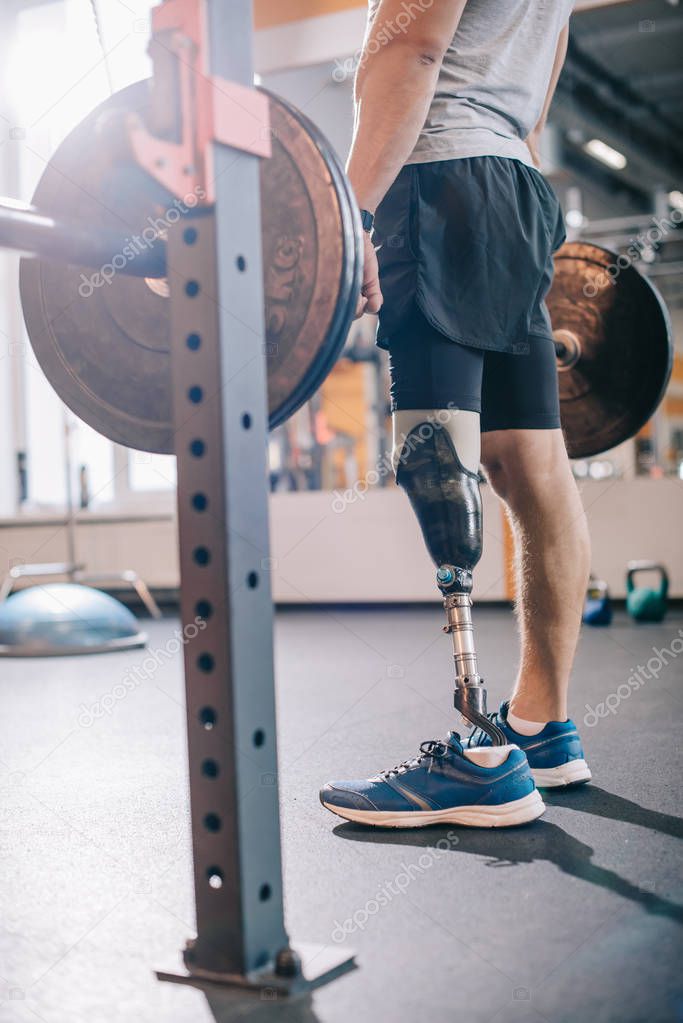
(102, 336)
(613, 344)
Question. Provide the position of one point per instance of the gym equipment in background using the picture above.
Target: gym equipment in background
(597, 609)
(646, 603)
(54, 619)
(65, 619)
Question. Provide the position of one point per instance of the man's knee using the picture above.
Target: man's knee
(522, 463)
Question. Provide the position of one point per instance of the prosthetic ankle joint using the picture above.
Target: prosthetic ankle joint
(445, 497)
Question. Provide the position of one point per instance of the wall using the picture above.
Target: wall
(371, 550)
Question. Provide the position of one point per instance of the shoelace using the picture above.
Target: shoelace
(433, 749)
(478, 733)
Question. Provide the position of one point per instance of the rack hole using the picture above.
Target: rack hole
(246, 421)
(203, 609)
(241, 264)
(206, 662)
(208, 718)
(192, 289)
(201, 555)
(265, 892)
(193, 342)
(210, 768)
(200, 502)
(252, 580)
(190, 235)
(195, 394)
(212, 822)
(259, 737)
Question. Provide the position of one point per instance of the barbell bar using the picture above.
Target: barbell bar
(102, 338)
(34, 233)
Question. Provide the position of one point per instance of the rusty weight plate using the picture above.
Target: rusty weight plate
(615, 351)
(105, 349)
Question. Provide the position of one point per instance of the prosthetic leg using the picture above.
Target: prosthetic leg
(445, 497)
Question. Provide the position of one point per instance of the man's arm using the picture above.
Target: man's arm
(395, 83)
(560, 55)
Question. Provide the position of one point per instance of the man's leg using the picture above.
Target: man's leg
(526, 462)
(530, 471)
(434, 451)
(436, 402)
(435, 398)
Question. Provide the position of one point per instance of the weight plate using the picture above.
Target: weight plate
(336, 225)
(105, 348)
(617, 352)
(308, 209)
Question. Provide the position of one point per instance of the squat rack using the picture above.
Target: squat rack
(221, 444)
(215, 132)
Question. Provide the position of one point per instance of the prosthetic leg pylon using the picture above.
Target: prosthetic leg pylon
(446, 500)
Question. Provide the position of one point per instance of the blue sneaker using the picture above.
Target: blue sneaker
(444, 784)
(555, 754)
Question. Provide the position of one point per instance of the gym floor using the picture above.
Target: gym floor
(575, 917)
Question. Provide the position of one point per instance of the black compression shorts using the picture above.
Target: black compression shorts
(511, 392)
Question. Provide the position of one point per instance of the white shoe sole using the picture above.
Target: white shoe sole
(573, 773)
(505, 815)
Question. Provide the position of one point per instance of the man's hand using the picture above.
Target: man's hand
(370, 298)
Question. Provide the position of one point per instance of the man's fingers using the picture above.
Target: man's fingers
(374, 298)
(370, 300)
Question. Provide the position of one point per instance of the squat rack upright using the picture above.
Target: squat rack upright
(221, 443)
(215, 132)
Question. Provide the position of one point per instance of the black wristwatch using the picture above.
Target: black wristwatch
(367, 219)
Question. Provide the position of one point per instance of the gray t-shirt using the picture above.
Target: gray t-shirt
(494, 77)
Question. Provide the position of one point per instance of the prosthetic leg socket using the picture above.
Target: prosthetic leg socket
(446, 500)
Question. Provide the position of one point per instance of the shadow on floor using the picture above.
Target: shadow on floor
(528, 844)
(544, 841)
(228, 1005)
(229, 1009)
(592, 799)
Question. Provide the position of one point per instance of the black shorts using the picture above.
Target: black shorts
(471, 243)
(466, 260)
(511, 392)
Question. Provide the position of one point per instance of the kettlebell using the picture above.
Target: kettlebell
(597, 609)
(644, 603)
